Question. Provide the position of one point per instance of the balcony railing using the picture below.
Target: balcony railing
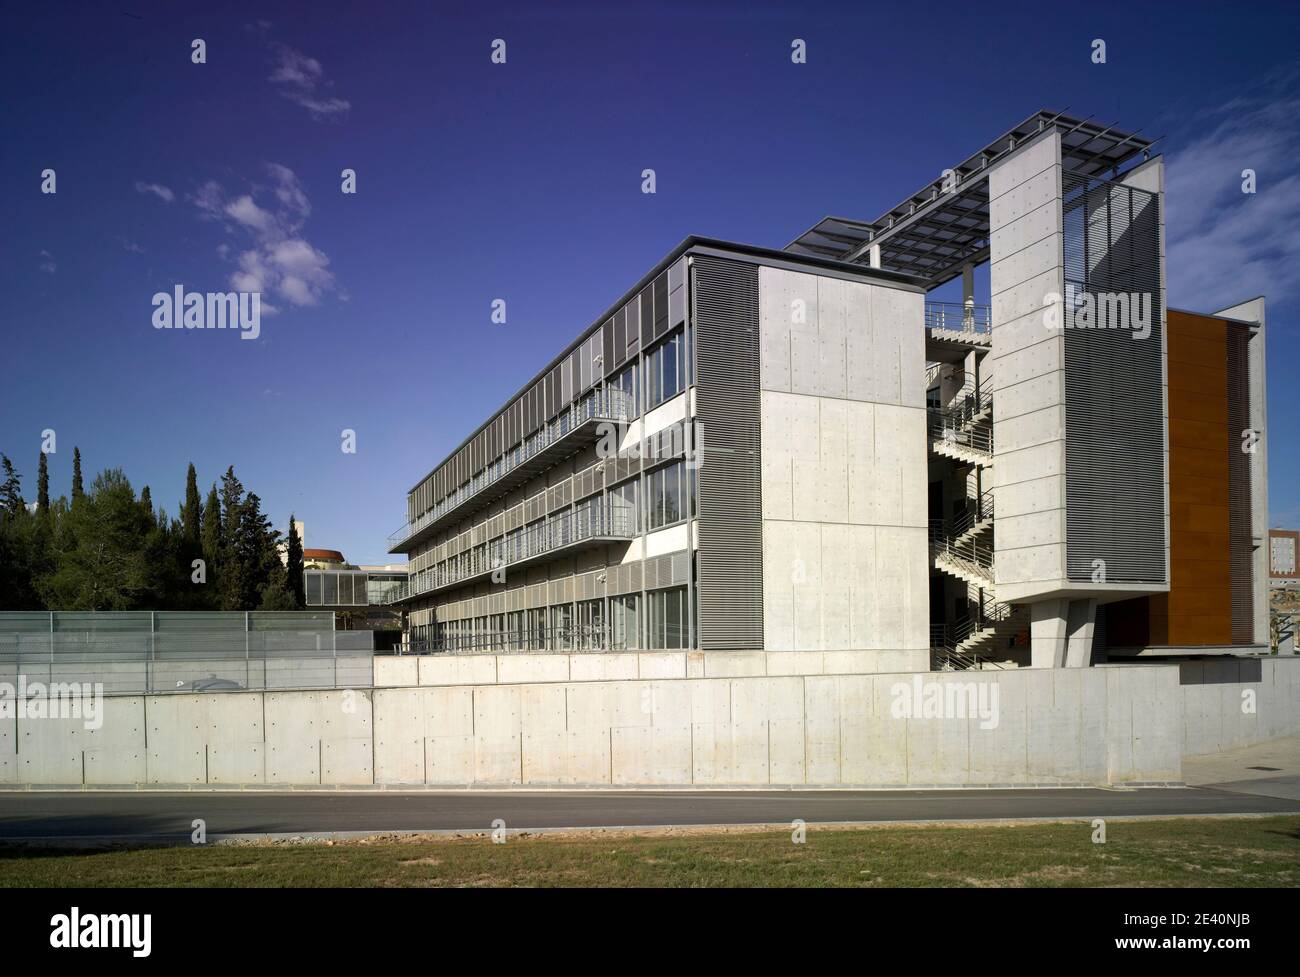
(610, 404)
(570, 528)
(956, 317)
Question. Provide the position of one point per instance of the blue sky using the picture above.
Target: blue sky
(522, 182)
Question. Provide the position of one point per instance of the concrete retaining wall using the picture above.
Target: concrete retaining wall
(482, 726)
(1232, 703)
(605, 667)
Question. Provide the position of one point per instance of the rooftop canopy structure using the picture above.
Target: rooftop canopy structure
(934, 232)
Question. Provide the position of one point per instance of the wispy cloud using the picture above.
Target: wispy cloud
(301, 80)
(47, 265)
(271, 216)
(157, 189)
(1212, 226)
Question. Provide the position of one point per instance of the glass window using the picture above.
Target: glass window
(561, 637)
(624, 623)
(672, 494)
(667, 618)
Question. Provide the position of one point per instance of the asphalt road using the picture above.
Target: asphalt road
(149, 816)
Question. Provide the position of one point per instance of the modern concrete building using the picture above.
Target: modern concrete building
(794, 451)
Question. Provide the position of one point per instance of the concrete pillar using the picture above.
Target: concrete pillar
(1061, 632)
(875, 256)
(1080, 626)
(1047, 633)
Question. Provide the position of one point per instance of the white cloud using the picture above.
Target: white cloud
(48, 266)
(302, 80)
(163, 193)
(1226, 246)
(281, 261)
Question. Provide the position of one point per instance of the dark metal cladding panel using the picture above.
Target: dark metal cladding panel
(553, 390)
(646, 303)
(620, 337)
(1114, 401)
(724, 299)
(607, 349)
(1241, 546)
(661, 305)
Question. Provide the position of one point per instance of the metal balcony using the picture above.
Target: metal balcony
(570, 532)
(574, 429)
(953, 329)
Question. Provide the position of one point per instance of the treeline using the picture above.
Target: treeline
(108, 549)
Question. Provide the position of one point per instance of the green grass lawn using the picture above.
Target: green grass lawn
(1201, 852)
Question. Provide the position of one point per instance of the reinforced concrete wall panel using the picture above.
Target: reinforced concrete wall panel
(1028, 430)
(938, 750)
(822, 730)
(115, 752)
(532, 668)
(785, 751)
(593, 706)
(1033, 529)
(347, 760)
(835, 318)
(731, 753)
(1028, 162)
(458, 669)
(400, 735)
(394, 670)
(1026, 230)
(1026, 196)
(602, 668)
(497, 732)
(729, 664)
(795, 662)
(998, 728)
(8, 746)
(651, 755)
(661, 664)
(873, 744)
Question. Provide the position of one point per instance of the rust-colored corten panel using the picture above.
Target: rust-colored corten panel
(1198, 609)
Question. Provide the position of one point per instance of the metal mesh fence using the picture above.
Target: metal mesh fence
(183, 651)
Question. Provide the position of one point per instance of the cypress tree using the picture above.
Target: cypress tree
(211, 546)
(43, 489)
(190, 515)
(78, 490)
(295, 579)
(146, 502)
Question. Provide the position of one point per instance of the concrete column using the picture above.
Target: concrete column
(1047, 633)
(1061, 632)
(875, 256)
(1082, 620)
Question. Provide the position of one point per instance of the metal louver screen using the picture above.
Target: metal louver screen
(1240, 545)
(1114, 409)
(724, 297)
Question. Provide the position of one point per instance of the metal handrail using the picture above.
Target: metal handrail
(959, 317)
(554, 638)
(569, 527)
(612, 403)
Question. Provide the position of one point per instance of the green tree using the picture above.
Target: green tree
(295, 579)
(11, 490)
(105, 568)
(78, 490)
(43, 489)
(209, 594)
(190, 514)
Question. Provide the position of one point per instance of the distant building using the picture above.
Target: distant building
(1283, 557)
